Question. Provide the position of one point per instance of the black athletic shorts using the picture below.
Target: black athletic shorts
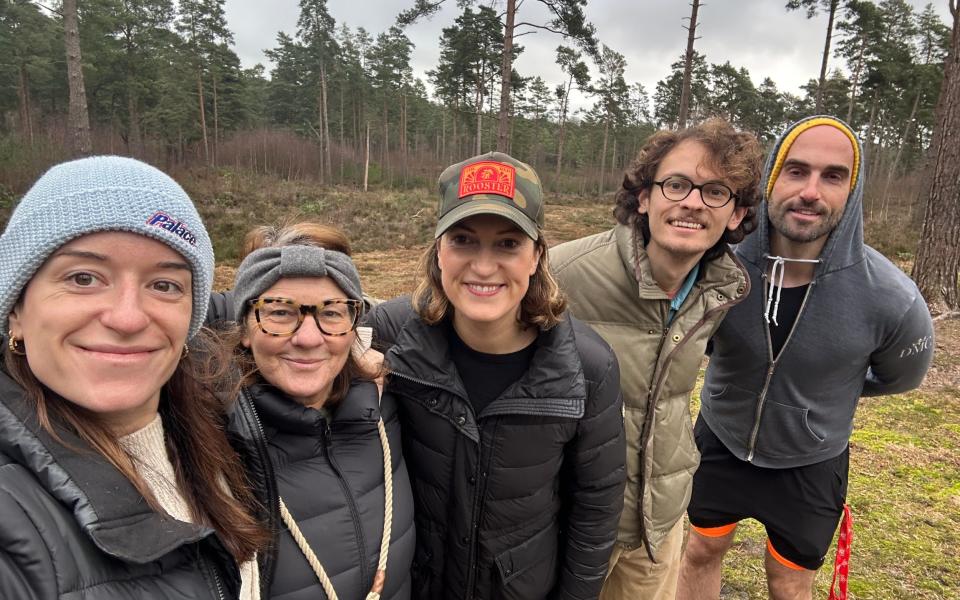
(800, 507)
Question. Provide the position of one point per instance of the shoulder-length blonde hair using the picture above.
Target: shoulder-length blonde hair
(542, 306)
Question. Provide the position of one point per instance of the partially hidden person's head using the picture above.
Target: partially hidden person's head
(298, 299)
(488, 263)
(105, 271)
(811, 172)
(693, 191)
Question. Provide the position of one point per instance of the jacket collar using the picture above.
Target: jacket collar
(723, 271)
(104, 503)
(280, 412)
(553, 385)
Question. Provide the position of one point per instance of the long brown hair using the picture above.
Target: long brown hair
(194, 420)
(301, 233)
(542, 306)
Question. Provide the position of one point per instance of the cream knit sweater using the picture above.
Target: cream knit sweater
(148, 450)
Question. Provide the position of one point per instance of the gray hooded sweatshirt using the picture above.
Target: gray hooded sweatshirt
(863, 330)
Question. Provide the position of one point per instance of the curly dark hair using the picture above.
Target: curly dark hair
(735, 154)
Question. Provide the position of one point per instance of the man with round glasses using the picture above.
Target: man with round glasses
(655, 287)
(830, 320)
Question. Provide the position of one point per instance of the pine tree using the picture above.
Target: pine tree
(938, 256)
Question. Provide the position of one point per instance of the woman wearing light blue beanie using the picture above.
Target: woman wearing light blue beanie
(116, 480)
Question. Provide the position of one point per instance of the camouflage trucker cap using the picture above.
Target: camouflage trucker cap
(492, 183)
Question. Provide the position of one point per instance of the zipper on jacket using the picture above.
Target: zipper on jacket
(212, 569)
(751, 449)
(273, 496)
(216, 579)
(644, 434)
(354, 513)
(655, 391)
(479, 489)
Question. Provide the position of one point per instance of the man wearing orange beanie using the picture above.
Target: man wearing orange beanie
(829, 320)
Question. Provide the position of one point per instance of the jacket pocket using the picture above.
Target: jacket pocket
(528, 570)
(426, 572)
(731, 409)
(785, 431)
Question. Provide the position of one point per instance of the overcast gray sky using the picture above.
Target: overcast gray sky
(759, 35)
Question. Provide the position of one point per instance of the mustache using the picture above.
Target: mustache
(816, 206)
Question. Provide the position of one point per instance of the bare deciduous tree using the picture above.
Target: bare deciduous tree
(688, 66)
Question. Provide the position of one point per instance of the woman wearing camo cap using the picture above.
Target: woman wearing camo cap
(510, 409)
(116, 480)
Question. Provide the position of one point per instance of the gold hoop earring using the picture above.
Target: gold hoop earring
(12, 345)
(186, 351)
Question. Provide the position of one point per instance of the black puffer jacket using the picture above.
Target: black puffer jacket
(522, 500)
(330, 476)
(73, 527)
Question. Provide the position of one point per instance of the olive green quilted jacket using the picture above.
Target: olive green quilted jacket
(608, 279)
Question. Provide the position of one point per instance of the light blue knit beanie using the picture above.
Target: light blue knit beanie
(102, 193)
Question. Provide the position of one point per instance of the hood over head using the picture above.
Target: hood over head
(844, 246)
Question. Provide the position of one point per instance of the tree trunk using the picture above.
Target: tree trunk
(603, 154)
(134, 141)
(856, 80)
(355, 121)
(868, 140)
(479, 147)
(23, 96)
(503, 127)
(78, 118)
(386, 141)
(216, 116)
(366, 159)
(896, 159)
(688, 67)
(563, 119)
(613, 155)
(403, 136)
(318, 131)
(325, 123)
(341, 133)
(454, 117)
(938, 254)
(203, 114)
(826, 56)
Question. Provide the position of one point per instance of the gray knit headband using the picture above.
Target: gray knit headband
(264, 267)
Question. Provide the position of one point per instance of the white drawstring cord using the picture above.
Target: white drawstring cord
(779, 263)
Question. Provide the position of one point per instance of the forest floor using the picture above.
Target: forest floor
(904, 487)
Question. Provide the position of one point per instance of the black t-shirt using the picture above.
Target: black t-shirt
(790, 301)
(486, 376)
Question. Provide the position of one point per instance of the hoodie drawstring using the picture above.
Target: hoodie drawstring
(778, 264)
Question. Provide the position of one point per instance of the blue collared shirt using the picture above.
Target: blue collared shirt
(684, 291)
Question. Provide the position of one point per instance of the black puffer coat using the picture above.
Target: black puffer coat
(330, 475)
(73, 527)
(522, 500)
